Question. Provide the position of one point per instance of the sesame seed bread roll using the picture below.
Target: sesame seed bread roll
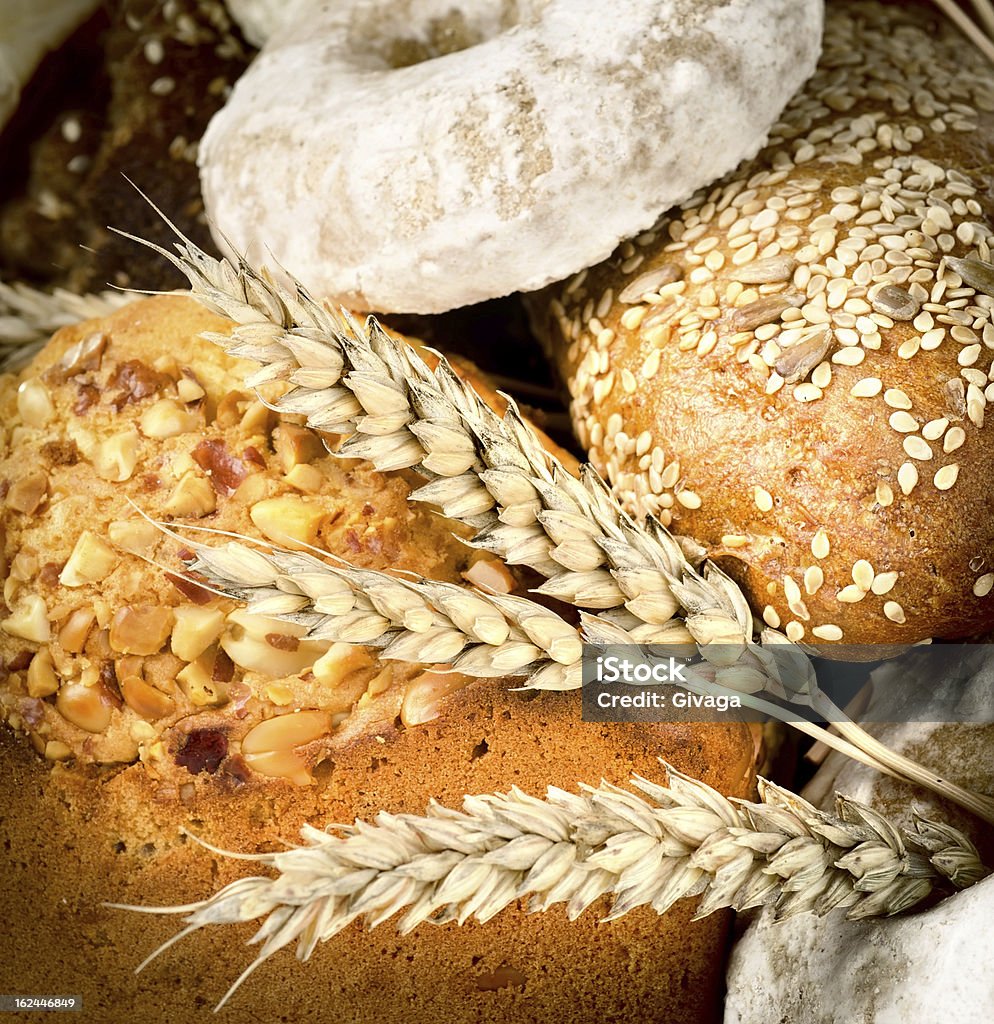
(134, 704)
(794, 366)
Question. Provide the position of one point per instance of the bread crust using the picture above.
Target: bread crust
(103, 823)
(860, 520)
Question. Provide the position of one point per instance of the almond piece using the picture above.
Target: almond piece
(84, 707)
(195, 630)
(42, 681)
(289, 521)
(167, 418)
(245, 643)
(34, 404)
(26, 494)
(193, 497)
(91, 560)
(29, 620)
(199, 684)
(76, 628)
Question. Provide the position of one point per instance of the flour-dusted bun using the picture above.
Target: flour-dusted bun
(794, 366)
(136, 703)
(28, 30)
(418, 156)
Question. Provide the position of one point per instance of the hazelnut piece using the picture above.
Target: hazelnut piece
(140, 630)
(115, 457)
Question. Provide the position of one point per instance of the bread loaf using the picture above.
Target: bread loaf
(794, 366)
(141, 695)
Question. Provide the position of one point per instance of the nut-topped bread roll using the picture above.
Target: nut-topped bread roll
(157, 706)
(794, 366)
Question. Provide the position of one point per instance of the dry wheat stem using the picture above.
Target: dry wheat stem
(650, 847)
(28, 317)
(494, 474)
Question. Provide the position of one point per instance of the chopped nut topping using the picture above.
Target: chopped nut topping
(140, 630)
(27, 494)
(34, 404)
(290, 521)
(195, 630)
(167, 418)
(225, 470)
(192, 497)
(115, 457)
(137, 381)
(91, 560)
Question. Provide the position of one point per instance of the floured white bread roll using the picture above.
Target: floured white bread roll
(28, 30)
(794, 366)
(421, 155)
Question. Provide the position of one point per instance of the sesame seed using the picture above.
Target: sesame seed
(868, 387)
(820, 545)
(828, 631)
(894, 612)
(795, 632)
(632, 318)
(162, 86)
(984, 585)
(848, 356)
(917, 447)
(883, 583)
(763, 499)
(903, 422)
(862, 574)
(954, 438)
(934, 429)
(969, 355)
(734, 540)
(907, 477)
(770, 617)
(946, 477)
(689, 499)
(850, 594)
(807, 392)
(897, 399)
(813, 579)
(884, 494)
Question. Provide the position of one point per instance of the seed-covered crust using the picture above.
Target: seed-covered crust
(158, 707)
(794, 366)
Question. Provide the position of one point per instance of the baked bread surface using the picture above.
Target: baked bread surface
(793, 368)
(93, 805)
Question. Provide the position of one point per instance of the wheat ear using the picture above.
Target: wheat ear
(646, 848)
(494, 474)
(29, 316)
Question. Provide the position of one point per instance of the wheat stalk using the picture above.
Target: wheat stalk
(29, 316)
(646, 848)
(494, 474)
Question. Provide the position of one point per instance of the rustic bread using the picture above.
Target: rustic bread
(140, 690)
(793, 367)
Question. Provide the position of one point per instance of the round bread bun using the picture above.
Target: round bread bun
(793, 367)
(137, 704)
(419, 156)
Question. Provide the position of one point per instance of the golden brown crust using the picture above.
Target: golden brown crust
(103, 823)
(119, 833)
(824, 243)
